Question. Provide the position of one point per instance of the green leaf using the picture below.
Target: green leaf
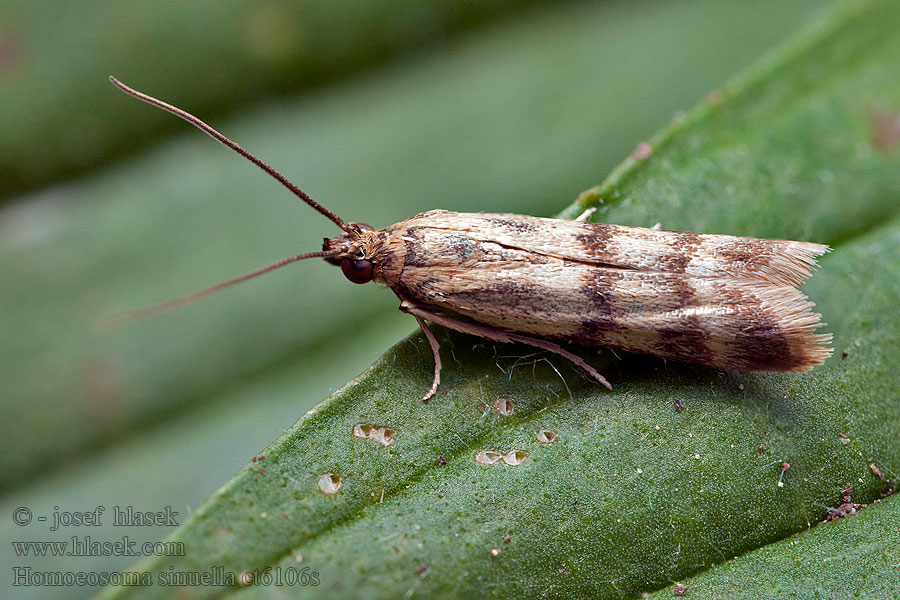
(851, 558)
(631, 494)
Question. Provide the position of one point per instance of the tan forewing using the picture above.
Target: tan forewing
(744, 323)
(701, 255)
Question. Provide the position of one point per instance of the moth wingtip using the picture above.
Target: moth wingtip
(812, 351)
(794, 264)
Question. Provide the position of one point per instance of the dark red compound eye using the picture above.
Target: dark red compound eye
(358, 271)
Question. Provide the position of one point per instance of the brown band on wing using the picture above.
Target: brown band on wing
(595, 238)
(682, 253)
(762, 346)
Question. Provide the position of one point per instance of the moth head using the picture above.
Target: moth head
(354, 252)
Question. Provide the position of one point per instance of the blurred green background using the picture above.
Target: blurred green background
(378, 110)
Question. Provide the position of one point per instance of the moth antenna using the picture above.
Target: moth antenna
(234, 146)
(140, 314)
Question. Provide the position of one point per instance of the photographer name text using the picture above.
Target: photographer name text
(121, 516)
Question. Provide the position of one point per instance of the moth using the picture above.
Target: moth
(716, 300)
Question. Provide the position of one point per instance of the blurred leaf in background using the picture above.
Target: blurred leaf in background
(59, 118)
(518, 116)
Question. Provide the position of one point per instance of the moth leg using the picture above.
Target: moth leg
(436, 350)
(583, 217)
(498, 335)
